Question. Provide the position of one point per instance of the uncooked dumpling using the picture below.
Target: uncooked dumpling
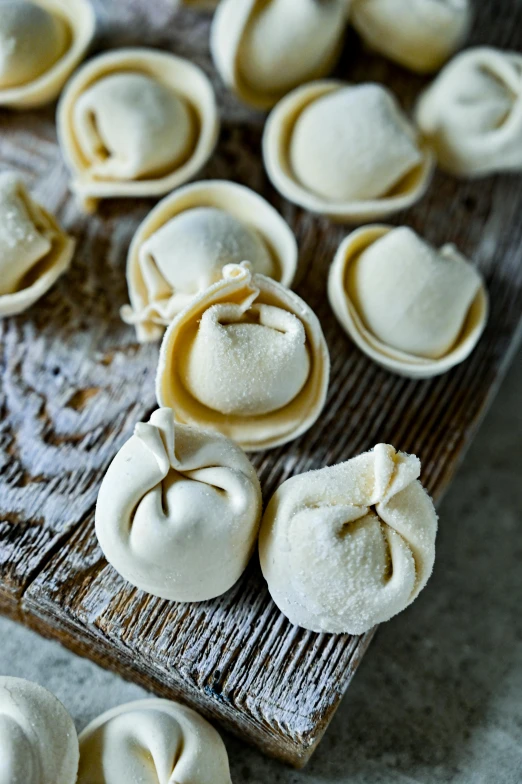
(38, 741)
(34, 250)
(178, 510)
(248, 358)
(264, 48)
(472, 113)
(152, 742)
(419, 34)
(347, 547)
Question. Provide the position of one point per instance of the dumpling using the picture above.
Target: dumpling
(472, 113)
(264, 48)
(182, 246)
(136, 122)
(419, 34)
(247, 358)
(34, 250)
(152, 742)
(41, 43)
(38, 741)
(428, 310)
(178, 510)
(346, 151)
(347, 547)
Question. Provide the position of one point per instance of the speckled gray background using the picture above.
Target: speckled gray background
(438, 697)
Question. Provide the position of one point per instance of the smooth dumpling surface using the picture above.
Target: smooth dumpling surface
(263, 49)
(152, 742)
(38, 741)
(247, 358)
(412, 296)
(353, 144)
(34, 251)
(472, 113)
(178, 510)
(32, 39)
(129, 126)
(419, 34)
(349, 546)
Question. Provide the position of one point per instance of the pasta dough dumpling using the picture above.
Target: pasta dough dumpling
(38, 741)
(178, 510)
(413, 308)
(472, 113)
(34, 250)
(247, 358)
(346, 151)
(264, 48)
(41, 41)
(136, 122)
(418, 34)
(152, 741)
(181, 247)
(347, 547)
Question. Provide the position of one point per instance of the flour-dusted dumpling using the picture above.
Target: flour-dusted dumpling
(136, 122)
(41, 42)
(247, 358)
(182, 246)
(152, 742)
(414, 309)
(419, 34)
(38, 741)
(347, 547)
(264, 48)
(178, 510)
(472, 113)
(346, 151)
(34, 250)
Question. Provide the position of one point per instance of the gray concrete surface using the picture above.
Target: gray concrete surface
(438, 697)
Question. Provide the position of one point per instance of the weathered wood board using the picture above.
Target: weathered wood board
(74, 383)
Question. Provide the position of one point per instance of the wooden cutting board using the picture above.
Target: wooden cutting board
(74, 383)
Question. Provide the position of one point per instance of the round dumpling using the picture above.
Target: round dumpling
(38, 741)
(264, 49)
(247, 358)
(178, 510)
(472, 113)
(347, 547)
(151, 741)
(419, 34)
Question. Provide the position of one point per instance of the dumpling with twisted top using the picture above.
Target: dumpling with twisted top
(347, 547)
(472, 113)
(419, 34)
(152, 742)
(247, 358)
(38, 741)
(264, 48)
(34, 250)
(178, 510)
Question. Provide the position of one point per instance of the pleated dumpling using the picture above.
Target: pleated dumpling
(152, 742)
(472, 113)
(415, 309)
(136, 122)
(347, 547)
(247, 358)
(346, 151)
(41, 42)
(38, 741)
(178, 510)
(181, 247)
(34, 250)
(264, 48)
(419, 34)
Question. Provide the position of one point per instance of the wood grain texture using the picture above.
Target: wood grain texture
(74, 383)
